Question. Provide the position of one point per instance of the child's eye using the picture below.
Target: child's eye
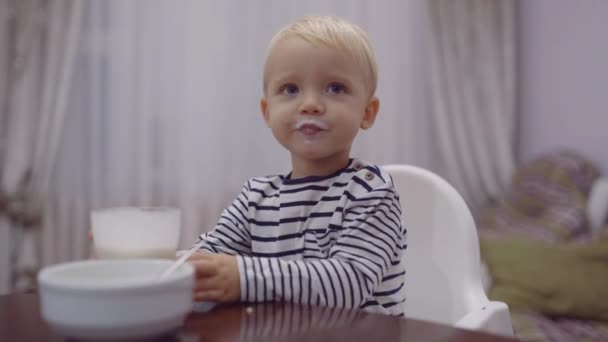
(289, 89)
(336, 88)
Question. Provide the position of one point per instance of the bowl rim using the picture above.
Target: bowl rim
(45, 279)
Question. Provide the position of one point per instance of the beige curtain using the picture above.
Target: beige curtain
(472, 82)
(37, 47)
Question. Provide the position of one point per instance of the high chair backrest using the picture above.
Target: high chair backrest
(443, 279)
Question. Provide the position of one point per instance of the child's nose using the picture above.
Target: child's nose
(312, 105)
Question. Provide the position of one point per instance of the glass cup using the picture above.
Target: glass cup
(135, 232)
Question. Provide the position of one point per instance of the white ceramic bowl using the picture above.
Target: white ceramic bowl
(115, 299)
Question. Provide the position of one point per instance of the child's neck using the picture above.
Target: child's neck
(317, 167)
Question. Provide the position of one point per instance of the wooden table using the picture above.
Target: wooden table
(20, 321)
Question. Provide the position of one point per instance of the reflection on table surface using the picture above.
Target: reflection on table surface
(20, 321)
(287, 322)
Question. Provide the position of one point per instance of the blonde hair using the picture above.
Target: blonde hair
(336, 33)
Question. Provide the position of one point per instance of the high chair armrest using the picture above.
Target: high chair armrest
(493, 317)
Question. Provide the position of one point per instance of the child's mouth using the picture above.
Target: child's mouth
(310, 127)
(310, 130)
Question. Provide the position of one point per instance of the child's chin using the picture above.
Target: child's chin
(311, 154)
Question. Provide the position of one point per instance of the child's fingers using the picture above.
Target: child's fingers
(204, 268)
(210, 295)
(207, 284)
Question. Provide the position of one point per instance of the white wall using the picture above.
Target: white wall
(564, 77)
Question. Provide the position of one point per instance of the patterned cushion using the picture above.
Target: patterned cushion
(546, 200)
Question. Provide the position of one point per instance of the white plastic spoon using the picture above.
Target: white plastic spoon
(182, 259)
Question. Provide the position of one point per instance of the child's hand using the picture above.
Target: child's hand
(217, 277)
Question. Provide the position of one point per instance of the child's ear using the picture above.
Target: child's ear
(370, 113)
(264, 109)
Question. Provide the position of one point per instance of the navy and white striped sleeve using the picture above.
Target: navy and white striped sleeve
(231, 234)
(368, 244)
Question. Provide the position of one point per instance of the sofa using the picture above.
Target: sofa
(544, 248)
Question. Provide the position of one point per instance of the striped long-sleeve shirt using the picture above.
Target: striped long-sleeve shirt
(331, 241)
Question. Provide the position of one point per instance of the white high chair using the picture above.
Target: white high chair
(443, 276)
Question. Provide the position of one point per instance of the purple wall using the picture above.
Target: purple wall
(564, 77)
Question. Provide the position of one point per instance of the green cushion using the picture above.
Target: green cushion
(561, 279)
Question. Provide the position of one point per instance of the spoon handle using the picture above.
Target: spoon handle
(182, 259)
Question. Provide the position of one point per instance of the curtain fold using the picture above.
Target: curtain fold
(39, 43)
(472, 93)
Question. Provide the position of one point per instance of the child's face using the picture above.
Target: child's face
(316, 99)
